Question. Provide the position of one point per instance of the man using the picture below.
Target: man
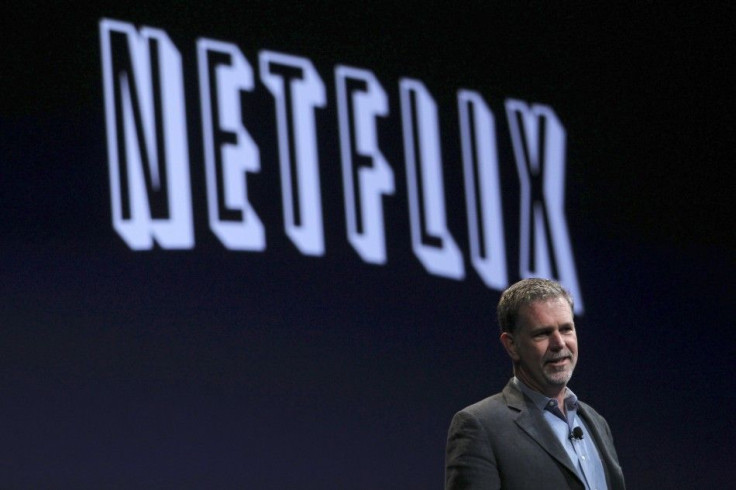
(535, 434)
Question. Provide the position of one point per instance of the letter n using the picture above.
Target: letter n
(145, 118)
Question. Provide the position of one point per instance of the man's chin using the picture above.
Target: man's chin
(559, 378)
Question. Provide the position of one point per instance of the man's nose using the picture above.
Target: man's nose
(556, 341)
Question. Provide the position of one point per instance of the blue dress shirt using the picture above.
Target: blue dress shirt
(582, 451)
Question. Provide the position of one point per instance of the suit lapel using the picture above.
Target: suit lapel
(602, 443)
(531, 420)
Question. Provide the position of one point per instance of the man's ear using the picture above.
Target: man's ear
(508, 343)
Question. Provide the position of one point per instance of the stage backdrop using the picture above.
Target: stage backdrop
(259, 244)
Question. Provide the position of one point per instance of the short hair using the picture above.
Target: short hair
(525, 292)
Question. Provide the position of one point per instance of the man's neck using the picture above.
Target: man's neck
(558, 395)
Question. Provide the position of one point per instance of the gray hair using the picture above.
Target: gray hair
(525, 292)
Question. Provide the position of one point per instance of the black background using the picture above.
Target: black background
(209, 368)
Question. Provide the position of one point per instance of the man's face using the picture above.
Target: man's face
(544, 345)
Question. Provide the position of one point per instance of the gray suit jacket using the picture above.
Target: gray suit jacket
(503, 442)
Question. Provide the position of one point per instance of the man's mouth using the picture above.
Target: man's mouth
(558, 361)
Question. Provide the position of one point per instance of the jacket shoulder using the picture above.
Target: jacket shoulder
(490, 403)
(499, 402)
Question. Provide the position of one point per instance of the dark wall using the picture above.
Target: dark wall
(211, 368)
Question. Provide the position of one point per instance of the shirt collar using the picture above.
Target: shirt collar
(541, 401)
